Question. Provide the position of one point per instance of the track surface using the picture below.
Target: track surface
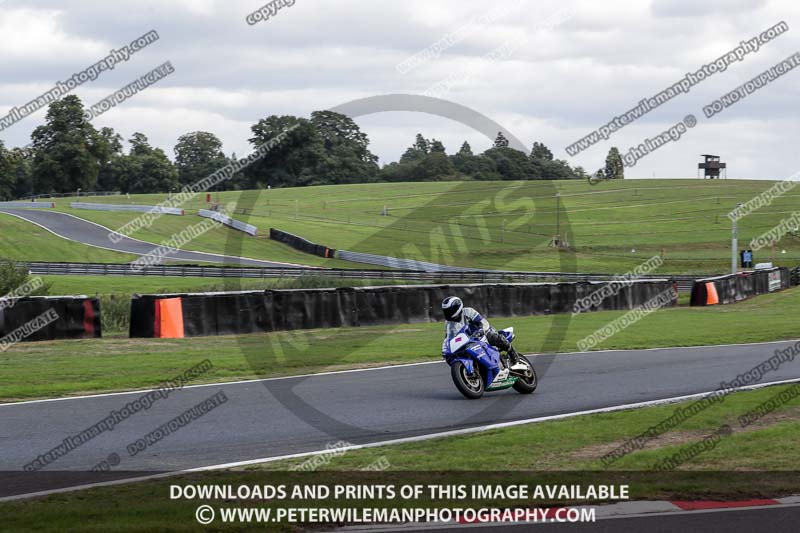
(266, 419)
(83, 231)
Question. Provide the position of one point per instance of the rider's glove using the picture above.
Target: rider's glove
(478, 334)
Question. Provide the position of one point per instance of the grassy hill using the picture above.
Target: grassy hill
(610, 227)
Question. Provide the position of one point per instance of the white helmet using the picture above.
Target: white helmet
(452, 306)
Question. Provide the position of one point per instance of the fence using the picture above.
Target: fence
(193, 315)
(736, 287)
(299, 243)
(123, 207)
(228, 221)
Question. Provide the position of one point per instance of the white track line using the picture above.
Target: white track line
(391, 442)
(258, 380)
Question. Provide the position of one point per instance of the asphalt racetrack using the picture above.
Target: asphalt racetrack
(277, 417)
(83, 231)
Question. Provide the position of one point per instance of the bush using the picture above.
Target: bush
(115, 312)
(13, 276)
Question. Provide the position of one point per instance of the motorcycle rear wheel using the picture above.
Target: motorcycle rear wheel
(528, 384)
(471, 386)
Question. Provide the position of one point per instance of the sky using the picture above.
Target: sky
(549, 71)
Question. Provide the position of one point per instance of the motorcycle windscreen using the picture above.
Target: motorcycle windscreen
(458, 342)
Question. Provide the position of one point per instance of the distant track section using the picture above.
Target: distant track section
(79, 230)
(107, 269)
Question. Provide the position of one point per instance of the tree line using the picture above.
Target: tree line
(68, 154)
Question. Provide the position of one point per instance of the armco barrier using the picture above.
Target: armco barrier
(29, 205)
(194, 315)
(300, 243)
(76, 317)
(122, 207)
(684, 282)
(395, 262)
(736, 287)
(228, 221)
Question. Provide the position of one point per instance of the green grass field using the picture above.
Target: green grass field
(612, 226)
(24, 241)
(127, 285)
(59, 368)
(757, 461)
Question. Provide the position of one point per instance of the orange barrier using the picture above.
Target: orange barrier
(169, 319)
(711, 290)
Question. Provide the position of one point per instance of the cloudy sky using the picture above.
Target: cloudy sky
(560, 69)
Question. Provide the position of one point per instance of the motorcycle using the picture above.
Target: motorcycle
(477, 367)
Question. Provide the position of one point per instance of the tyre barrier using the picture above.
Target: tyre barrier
(299, 243)
(209, 314)
(733, 288)
(795, 276)
(228, 221)
(40, 318)
(123, 207)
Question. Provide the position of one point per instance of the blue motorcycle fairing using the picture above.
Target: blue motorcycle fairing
(466, 361)
(487, 357)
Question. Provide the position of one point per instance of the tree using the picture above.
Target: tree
(545, 167)
(509, 164)
(347, 158)
(465, 162)
(67, 149)
(7, 177)
(109, 151)
(435, 167)
(198, 155)
(422, 144)
(145, 169)
(614, 169)
(291, 162)
(437, 146)
(541, 152)
(501, 141)
(417, 151)
(580, 173)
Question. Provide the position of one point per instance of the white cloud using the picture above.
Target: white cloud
(559, 86)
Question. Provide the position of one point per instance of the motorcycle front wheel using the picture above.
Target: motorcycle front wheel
(529, 383)
(470, 385)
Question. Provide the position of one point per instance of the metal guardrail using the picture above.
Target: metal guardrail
(684, 282)
(394, 262)
(29, 205)
(126, 207)
(228, 221)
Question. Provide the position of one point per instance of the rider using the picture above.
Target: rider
(458, 316)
